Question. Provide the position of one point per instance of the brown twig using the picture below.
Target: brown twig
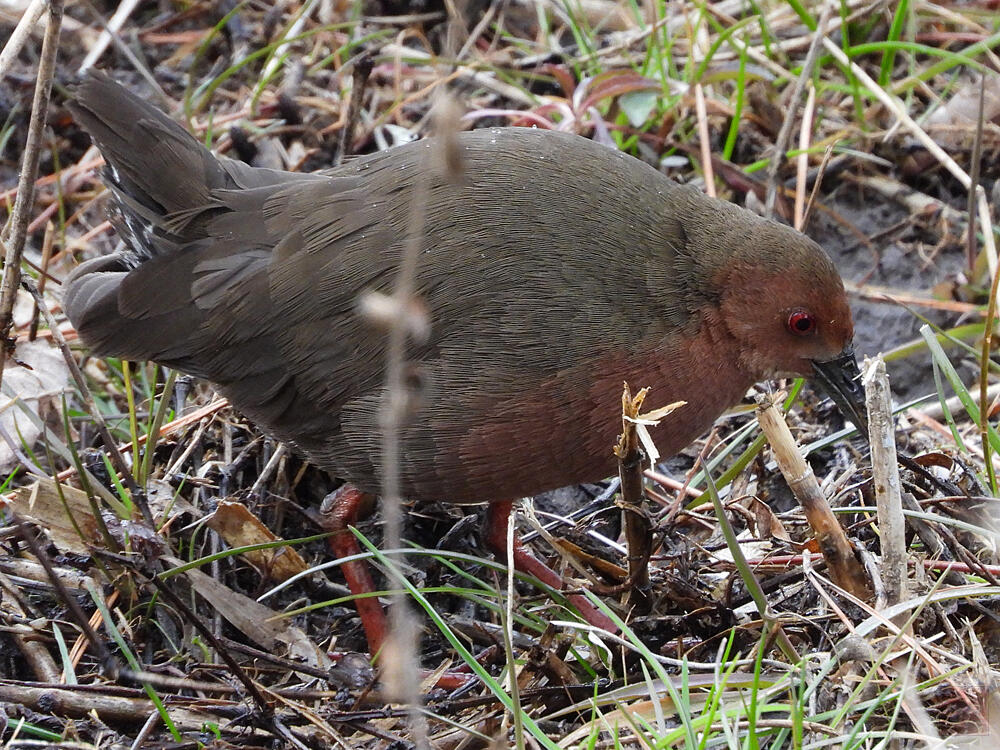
(781, 142)
(190, 617)
(820, 172)
(704, 141)
(21, 33)
(107, 661)
(802, 161)
(975, 166)
(115, 455)
(406, 321)
(638, 534)
(359, 82)
(18, 227)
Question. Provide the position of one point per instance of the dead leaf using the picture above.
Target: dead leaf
(602, 566)
(37, 390)
(963, 107)
(265, 627)
(768, 525)
(40, 503)
(241, 528)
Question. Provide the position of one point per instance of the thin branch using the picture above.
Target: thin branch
(21, 33)
(17, 229)
(781, 143)
(114, 454)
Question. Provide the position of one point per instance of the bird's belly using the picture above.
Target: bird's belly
(562, 430)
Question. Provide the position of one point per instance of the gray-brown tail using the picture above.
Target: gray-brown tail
(162, 180)
(159, 173)
(198, 246)
(193, 290)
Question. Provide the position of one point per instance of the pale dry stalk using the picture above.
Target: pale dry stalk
(885, 477)
(845, 570)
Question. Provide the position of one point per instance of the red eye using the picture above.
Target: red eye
(801, 323)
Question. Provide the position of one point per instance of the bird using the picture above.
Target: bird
(553, 270)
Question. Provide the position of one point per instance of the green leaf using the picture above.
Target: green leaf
(638, 106)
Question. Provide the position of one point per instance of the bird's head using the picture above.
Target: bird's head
(783, 301)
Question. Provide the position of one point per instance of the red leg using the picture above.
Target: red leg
(341, 509)
(495, 536)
